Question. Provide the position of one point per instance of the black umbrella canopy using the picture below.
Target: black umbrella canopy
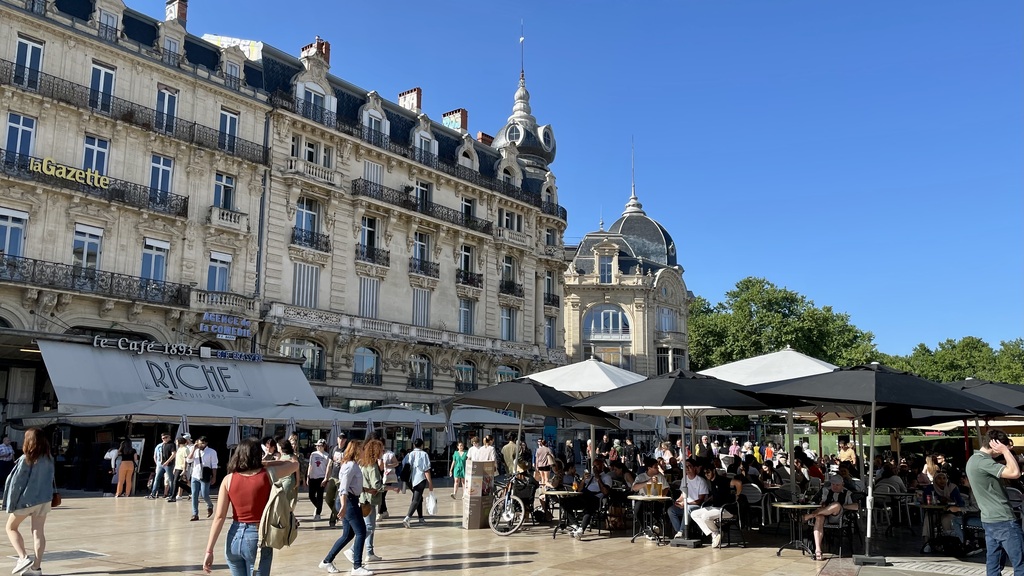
(1003, 400)
(678, 388)
(998, 392)
(874, 383)
(527, 395)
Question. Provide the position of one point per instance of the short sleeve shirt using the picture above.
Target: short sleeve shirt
(987, 488)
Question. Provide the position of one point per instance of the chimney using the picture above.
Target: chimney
(319, 47)
(457, 119)
(177, 10)
(485, 139)
(411, 99)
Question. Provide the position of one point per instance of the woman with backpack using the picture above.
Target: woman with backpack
(247, 488)
(350, 487)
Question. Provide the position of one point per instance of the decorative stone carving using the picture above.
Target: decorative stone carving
(307, 255)
(105, 307)
(62, 302)
(29, 297)
(134, 310)
(427, 282)
(509, 301)
(370, 270)
(467, 292)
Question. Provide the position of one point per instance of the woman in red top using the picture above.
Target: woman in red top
(247, 488)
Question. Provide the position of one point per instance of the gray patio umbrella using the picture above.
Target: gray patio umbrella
(233, 439)
(183, 426)
(872, 384)
(370, 428)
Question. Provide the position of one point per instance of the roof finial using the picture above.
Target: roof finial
(600, 223)
(633, 206)
(522, 52)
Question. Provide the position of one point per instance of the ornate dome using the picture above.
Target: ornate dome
(536, 144)
(648, 239)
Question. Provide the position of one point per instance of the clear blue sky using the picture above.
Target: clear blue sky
(867, 155)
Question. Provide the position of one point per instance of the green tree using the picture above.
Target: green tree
(1009, 364)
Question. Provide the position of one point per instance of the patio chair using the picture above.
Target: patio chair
(725, 525)
(755, 500)
(845, 525)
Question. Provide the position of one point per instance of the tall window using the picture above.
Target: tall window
(508, 269)
(29, 62)
(421, 192)
(366, 366)
(315, 104)
(218, 272)
(664, 361)
(508, 323)
(160, 173)
(604, 265)
(307, 215)
(419, 367)
(20, 136)
(368, 233)
(172, 52)
(506, 176)
(369, 294)
(154, 259)
(326, 156)
(549, 331)
(466, 259)
(87, 247)
(166, 109)
(305, 285)
(549, 282)
(506, 373)
(465, 376)
(12, 232)
(232, 75)
(421, 246)
(96, 150)
(101, 88)
(311, 353)
(550, 237)
(373, 172)
(228, 130)
(510, 220)
(466, 315)
(468, 208)
(374, 123)
(421, 307)
(606, 322)
(107, 26)
(666, 319)
(311, 151)
(224, 191)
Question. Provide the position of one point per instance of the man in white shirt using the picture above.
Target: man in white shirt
(419, 479)
(694, 491)
(315, 474)
(594, 488)
(474, 448)
(204, 472)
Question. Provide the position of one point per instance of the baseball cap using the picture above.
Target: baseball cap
(321, 442)
(186, 436)
(343, 435)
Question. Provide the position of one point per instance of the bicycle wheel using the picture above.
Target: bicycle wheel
(506, 515)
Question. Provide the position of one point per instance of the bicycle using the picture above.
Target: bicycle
(508, 510)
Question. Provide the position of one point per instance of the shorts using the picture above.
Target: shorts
(37, 510)
(544, 468)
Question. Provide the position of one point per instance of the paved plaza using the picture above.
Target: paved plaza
(106, 536)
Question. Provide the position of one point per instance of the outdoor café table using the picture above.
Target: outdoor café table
(934, 512)
(796, 525)
(559, 494)
(772, 494)
(652, 508)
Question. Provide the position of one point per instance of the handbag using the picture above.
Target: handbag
(366, 508)
(207, 472)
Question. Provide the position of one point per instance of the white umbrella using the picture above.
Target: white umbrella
(233, 439)
(417, 431)
(182, 427)
(398, 416)
(289, 428)
(369, 429)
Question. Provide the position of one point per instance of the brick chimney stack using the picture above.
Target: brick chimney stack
(177, 10)
(485, 139)
(319, 47)
(457, 119)
(411, 99)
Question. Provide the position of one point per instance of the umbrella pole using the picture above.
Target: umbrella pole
(821, 450)
(792, 456)
(868, 481)
(967, 442)
(860, 441)
(519, 438)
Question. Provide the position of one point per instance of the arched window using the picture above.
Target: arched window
(606, 322)
(311, 353)
(506, 176)
(506, 373)
(4, 323)
(213, 344)
(420, 372)
(367, 367)
(465, 376)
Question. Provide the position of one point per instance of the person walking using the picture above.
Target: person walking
(126, 471)
(353, 527)
(163, 457)
(419, 479)
(986, 475)
(178, 485)
(246, 487)
(331, 489)
(373, 489)
(458, 468)
(204, 473)
(543, 460)
(27, 493)
(315, 475)
(389, 463)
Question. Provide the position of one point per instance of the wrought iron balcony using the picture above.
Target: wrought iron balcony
(363, 379)
(467, 278)
(425, 157)
(52, 275)
(36, 6)
(108, 33)
(311, 373)
(172, 58)
(511, 288)
(373, 255)
(310, 239)
(551, 300)
(135, 114)
(406, 200)
(233, 82)
(418, 383)
(461, 387)
(21, 166)
(424, 267)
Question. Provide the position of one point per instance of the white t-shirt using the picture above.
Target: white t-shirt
(207, 456)
(486, 454)
(693, 488)
(317, 465)
(472, 453)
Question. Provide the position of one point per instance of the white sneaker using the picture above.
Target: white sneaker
(678, 534)
(361, 571)
(716, 540)
(316, 517)
(329, 566)
(407, 522)
(348, 556)
(21, 565)
(371, 557)
(383, 515)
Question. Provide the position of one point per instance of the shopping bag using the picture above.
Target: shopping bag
(431, 503)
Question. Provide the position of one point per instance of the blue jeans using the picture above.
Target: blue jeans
(352, 526)
(240, 551)
(1003, 537)
(197, 486)
(675, 516)
(371, 526)
(163, 474)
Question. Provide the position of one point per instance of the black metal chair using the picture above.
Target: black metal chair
(725, 525)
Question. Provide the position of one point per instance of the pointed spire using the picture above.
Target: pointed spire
(521, 111)
(633, 206)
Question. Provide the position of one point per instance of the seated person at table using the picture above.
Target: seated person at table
(554, 483)
(723, 491)
(769, 476)
(593, 488)
(621, 477)
(945, 492)
(890, 479)
(694, 490)
(848, 482)
(834, 500)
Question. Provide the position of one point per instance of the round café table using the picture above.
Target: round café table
(558, 495)
(796, 525)
(653, 512)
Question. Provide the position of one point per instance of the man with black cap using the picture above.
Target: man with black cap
(333, 469)
(986, 474)
(315, 474)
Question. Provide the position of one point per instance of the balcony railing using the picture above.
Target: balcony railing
(424, 267)
(118, 109)
(108, 33)
(36, 6)
(511, 288)
(210, 300)
(373, 255)
(26, 167)
(417, 383)
(314, 373)
(616, 334)
(53, 275)
(461, 387)
(406, 200)
(363, 379)
(228, 218)
(172, 58)
(551, 300)
(467, 278)
(233, 82)
(310, 239)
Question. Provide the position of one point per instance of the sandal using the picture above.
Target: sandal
(819, 557)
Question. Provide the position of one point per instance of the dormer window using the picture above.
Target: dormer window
(107, 26)
(604, 267)
(506, 176)
(514, 133)
(172, 51)
(233, 75)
